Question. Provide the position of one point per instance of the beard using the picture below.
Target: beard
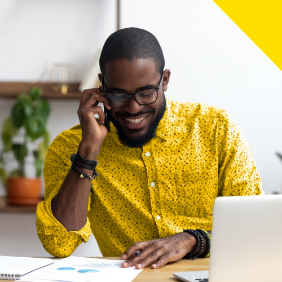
(140, 141)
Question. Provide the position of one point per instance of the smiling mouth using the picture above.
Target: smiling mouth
(135, 123)
(135, 120)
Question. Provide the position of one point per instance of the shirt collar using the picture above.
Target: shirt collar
(166, 126)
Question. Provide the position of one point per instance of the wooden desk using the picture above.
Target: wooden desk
(166, 272)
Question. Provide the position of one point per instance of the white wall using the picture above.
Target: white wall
(212, 61)
(36, 34)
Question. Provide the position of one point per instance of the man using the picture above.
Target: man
(160, 167)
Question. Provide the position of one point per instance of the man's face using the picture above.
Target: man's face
(127, 77)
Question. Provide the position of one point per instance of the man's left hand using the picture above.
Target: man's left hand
(159, 252)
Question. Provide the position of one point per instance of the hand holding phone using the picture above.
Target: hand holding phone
(94, 130)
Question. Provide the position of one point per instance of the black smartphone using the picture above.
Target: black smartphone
(106, 119)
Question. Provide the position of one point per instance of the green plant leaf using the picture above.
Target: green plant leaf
(20, 151)
(15, 173)
(279, 155)
(46, 139)
(3, 176)
(42, 150)
(24, 97)
(38, 164)
(27, 108)
(20, 111)
(8, 131)
(35, 127)
(18, 114)
(9, 126)
(43, 109)
(43, 146)
(35, 93)
(1, 157)
(7, 140)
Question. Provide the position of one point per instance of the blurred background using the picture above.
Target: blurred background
(54, 45)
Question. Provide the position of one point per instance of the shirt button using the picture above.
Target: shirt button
(152, 184)
(147, 154)
(158, 217)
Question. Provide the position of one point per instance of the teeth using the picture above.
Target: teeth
(136, 120)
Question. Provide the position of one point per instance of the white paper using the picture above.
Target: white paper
(74, 269)
(21, 265)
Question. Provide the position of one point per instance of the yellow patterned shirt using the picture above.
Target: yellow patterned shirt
(169, 184)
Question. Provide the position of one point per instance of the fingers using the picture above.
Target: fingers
(91, 97)
(86, 94)
(158, 251)
(85, 112)
(161, 261)
(149, 255)
(130, 252)
(150, 259)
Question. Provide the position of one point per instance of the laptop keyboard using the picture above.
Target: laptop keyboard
(202, 280)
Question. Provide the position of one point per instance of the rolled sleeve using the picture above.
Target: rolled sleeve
(55, 238)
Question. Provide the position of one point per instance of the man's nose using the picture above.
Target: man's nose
(133, 107)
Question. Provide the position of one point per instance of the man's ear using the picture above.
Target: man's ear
(166, 77)
(100, 77)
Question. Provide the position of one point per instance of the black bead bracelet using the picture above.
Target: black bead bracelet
(207, 237)
(88, 164)
(199, 244)
(77, 157)
(85, 175)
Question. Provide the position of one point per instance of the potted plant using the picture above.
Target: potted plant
(27, 121)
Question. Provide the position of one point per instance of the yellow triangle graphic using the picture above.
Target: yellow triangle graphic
(261, 20)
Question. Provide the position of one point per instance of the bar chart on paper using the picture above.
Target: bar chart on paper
(75, 269)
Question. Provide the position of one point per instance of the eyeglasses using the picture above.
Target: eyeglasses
(143, 97)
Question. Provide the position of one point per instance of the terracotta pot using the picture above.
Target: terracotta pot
(23, 190)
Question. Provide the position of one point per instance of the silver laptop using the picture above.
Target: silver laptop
(246, 241)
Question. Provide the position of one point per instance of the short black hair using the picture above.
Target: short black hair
(132, 43)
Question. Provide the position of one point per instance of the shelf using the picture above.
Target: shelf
(6, 208)
(10, 89)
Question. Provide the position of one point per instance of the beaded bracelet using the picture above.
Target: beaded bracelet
(83, 166)
(77, 157)
(207, 236)
(91, 165)
(199, 244)
(85, 175)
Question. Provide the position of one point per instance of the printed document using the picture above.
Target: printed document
(79, 269)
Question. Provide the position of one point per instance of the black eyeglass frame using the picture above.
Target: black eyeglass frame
(132, 95)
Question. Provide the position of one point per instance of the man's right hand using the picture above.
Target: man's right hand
(70, 204)
(93, 131)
